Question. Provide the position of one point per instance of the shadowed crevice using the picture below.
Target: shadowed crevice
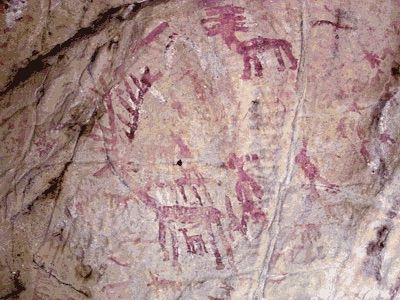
(87, 294)
(18, 287)
(41, 62)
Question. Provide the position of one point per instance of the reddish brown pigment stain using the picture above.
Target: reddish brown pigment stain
(199, 85)
(246, 188)
(136, 100)
(386, 138)
(395, 288)
(151, 36)
(194, 243)
(311, 171)
(207, 3)
(341, 128)
(116, 261)
(338, 23)
(334, 24)
(355, 108)
(250, 49)
(372, 58)
(305, 249)
(184, 150)
(176, 105)
(191, 181)
(108, 133)
(160, 283)
(338, 14)
(111, 288)
(225, 21)
(364, 151)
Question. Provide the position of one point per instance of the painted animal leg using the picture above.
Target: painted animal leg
(217, 254)
(197, 195)
(246, 67)
(194, 247)
(199, 244)
(281, 63)
(227, 246)
(241, 196)
(257, 66)
(182, 191)
(208, 196)
(175, 253)
(202, 246)
(288, 51)
(162, 239)
(189, 246)
(234, 221)
(314, 191)
(243, 223)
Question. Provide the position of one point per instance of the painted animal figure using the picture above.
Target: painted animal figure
(226, 21)
(193, 181)
(206, 217)
(195, 243)
(249, 50)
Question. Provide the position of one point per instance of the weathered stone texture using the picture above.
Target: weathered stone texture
(199, 149)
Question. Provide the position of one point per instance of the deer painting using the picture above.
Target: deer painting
(206, 217)
(249, 50)
(226, 21)
(195, 243)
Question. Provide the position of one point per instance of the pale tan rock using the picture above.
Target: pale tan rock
(199, 150)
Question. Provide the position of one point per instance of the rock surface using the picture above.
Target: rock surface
(199, 149)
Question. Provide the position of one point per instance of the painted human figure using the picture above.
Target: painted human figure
(248, 192)
(311, 171)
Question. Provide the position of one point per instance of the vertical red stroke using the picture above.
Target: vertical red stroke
(151, 36)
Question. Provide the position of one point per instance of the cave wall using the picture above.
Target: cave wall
(199, 149)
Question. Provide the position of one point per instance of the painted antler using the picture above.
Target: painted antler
(136, 100)
(226, 21)
(108, 132)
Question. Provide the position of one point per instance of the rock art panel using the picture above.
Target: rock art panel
(199, 149)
